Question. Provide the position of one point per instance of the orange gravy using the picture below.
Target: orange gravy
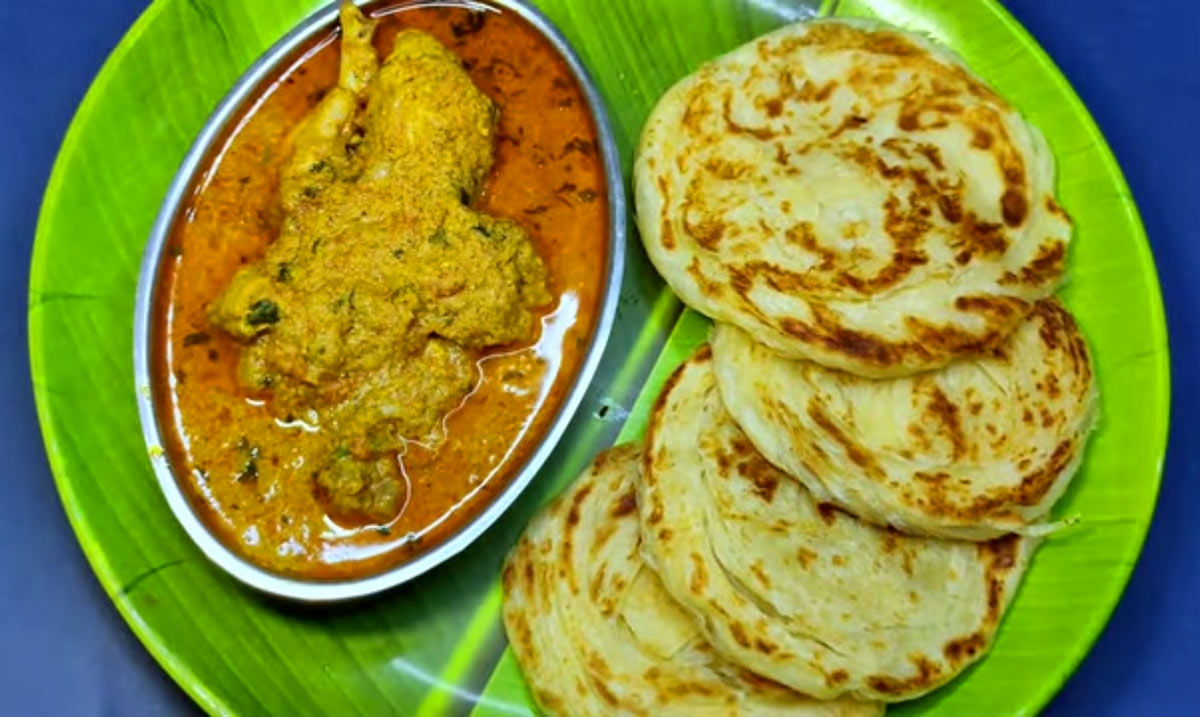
(548, 176)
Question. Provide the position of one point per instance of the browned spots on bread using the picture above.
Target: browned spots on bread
(810, 92)
(964, 649)
(727, 170)
(666, 228)
(1066, 377)
(656, 514)
(572, 522)
(849, 122)
(1056, 324)
(931, 154)
(1001, 553)
(756, 567)
(828, 512)
(724, 462)
(576, 501)
(621, 455)
(758, 682)
(749, 465)
(1037, 483)
(952, 341)
(995, 503)
(890, 539)
(766, 482)
(742, 447)
(605, 693)
(762, 133)
(928, 674)
(907, 227)
(1003, 309)
(699, 580)
(897, 146)
(682, 689)
(655, 426)
(625, 505)
(521, 636)
(1045, 268)
(803, 235)
(506, 577)
(931, 477)
(1052, 388)
(980, 238)
(782, 159)
(707, 232)
(738, 631)
(921, 185)
(946, 412)
(856, 453)
(597, 585)
(836, 36)
(1054, 208)
(999, 557)
(1081, 363)
(950, 206)
(697, 109)
(806, 557)
(1013, 207)
(710, 288)
(598, 666)
(927, 108)
(549, 701)
(778, 278)
(603, 534)
(857, 344)
(902, 264)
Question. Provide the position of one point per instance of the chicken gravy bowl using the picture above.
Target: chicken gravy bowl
(376, 292)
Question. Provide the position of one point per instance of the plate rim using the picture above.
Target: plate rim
(1158, 328)
(180, 672)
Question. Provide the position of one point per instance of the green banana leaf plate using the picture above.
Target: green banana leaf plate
(437, 645)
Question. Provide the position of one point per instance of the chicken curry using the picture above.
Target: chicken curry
(381, 289)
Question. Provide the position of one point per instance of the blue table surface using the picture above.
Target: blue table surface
(1137, 67)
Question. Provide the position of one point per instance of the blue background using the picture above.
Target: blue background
(1137, 67)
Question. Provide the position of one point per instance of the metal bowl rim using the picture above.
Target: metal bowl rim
(314, 591)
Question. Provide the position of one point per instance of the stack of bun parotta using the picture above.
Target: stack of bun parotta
(837, 497)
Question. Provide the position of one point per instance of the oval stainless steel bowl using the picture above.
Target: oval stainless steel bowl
(144, 333)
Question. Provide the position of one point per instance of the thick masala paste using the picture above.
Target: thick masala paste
(381, 288)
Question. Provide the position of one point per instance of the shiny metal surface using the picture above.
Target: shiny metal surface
(174, 202)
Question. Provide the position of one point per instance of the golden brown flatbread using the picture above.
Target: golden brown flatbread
(596, 634)
(977, 449)
(850, 194)
(794, 589)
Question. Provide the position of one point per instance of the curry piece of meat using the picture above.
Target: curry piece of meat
(383, 283)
